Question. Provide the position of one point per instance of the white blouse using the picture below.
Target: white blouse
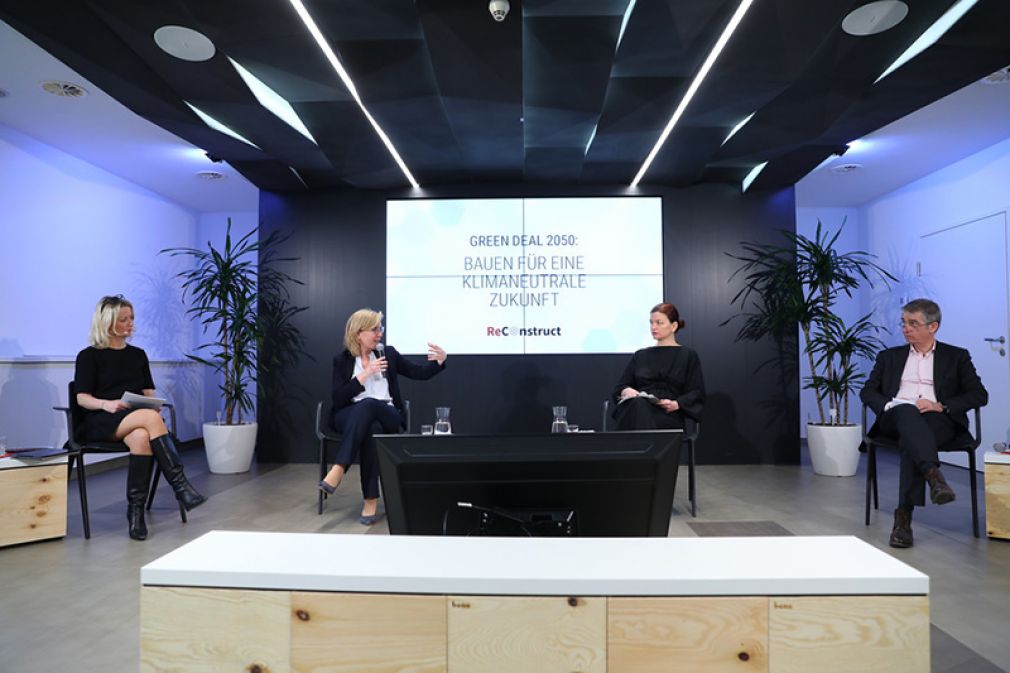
(376, 387)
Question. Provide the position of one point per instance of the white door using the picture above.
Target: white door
(964, 268)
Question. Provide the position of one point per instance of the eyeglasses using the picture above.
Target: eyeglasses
(914, 324)
(378, 330)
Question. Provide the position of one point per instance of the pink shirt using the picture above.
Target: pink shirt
(917, 378)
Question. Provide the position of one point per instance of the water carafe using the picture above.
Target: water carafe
(442, 425)
(560, 423)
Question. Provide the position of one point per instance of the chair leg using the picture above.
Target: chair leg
(876, 496)
(322, 471)
(82, 487)
(871, 480)
(154, 485)
(974, 492)
(154, 489)
(690, 478)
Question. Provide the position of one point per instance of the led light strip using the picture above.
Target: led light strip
(272, 100)
(752, 176)
(338, 67)
(931, 35)
(691, 90)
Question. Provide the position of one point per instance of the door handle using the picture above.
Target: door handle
(996, 340)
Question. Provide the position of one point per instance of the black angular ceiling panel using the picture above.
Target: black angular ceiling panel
(561, 91)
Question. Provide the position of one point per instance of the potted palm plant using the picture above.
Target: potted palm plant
(797, 285)
(239, 296)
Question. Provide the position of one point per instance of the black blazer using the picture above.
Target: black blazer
(346, 386)
(955, 381)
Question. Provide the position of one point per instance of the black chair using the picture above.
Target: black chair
(77, 450)
(326, 435)
(691, 430)
(964, 441)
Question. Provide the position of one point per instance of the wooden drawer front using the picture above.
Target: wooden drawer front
(869, 634)
(650, 635)
(213, 630)
(997, 500)
(33, 503)
(367, 633)
(529, 634)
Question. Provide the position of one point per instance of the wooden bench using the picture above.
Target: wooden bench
(300, 602)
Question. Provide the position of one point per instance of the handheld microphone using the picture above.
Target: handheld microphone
(380, 351)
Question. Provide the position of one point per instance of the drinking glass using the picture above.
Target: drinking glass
(560, 423)
(442, 425)
(427, 430)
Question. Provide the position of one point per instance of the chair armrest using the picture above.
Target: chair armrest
(866, 430)
(319, 421)
(978, 427)
(70, 426)
(171, 417)
(691, 429)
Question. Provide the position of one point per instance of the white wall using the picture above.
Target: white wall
(891, 226)
(967, 190)
(71, 233)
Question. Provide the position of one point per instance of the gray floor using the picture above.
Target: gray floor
(72, 604)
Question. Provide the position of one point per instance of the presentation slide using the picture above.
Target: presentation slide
(556, 275)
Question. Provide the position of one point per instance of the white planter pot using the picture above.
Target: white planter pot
(834, 449)
(229, 447)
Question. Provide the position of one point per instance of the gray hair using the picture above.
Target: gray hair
(929, 309)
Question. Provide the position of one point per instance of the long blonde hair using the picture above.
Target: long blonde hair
(362, 320)
(104, 318)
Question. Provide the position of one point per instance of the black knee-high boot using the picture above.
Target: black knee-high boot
(171, 466)
(138, 481)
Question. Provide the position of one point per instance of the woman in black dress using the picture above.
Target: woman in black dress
(662, 385)
(104, 371)
(367, 400)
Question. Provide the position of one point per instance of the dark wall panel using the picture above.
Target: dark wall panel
(339, 238)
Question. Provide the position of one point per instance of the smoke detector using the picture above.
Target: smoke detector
(64, 89)
(1001, 76)
(846, 168)
(211, 175)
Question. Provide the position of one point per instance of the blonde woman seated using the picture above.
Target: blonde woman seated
(103, 372)
(367, 400)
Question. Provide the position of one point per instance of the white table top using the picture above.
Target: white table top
(752, 566)
(995, 457)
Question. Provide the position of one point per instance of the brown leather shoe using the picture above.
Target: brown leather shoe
(901, 534)
(940, 493)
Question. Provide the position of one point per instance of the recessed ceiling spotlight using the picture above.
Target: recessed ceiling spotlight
(64, 89)
(846, 168)
(874, 17)
(211, 175)
(184, 43)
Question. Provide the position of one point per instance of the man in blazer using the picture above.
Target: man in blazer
(921, 394)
